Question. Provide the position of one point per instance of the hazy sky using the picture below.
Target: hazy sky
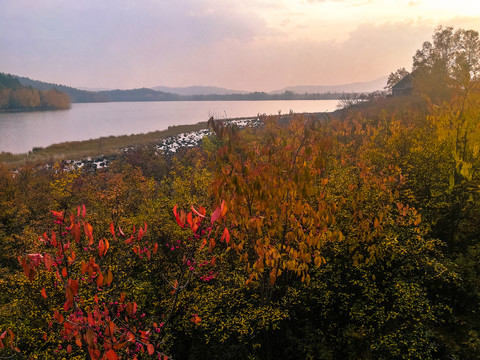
(254, 45)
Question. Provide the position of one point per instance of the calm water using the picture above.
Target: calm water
(21, 132)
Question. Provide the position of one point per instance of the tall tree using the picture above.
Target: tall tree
(451, 61)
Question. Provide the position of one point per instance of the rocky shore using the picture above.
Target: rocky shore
(168, 145)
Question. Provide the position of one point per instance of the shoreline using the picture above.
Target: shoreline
(8, 111)
(103, 147)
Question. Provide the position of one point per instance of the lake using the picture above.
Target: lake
(20, 132)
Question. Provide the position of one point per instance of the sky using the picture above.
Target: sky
(251, 45)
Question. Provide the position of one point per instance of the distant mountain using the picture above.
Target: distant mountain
(198, 90)
(358, 87)
(83, 96)
(143, 94)
(207, 93)
(76, 95)
(95, 89)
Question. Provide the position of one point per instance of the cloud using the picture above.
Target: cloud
(244, 44)
(321, 1)
(93, 23)
(97, 38)
(369, 52)
(347, 2)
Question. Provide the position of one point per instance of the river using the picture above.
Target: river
(20, 132)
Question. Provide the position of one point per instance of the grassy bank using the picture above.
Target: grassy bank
(77, 150)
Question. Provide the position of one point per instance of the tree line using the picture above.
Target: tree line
(14, 96)
(145, 94)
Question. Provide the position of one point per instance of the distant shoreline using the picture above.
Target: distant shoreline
(31, 110)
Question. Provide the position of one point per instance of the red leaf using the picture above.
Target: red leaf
(53, 241)
(101, 248)
(131, 308)
(90, 336)
(212, 245)
(57, 316)
(111, 355)
(44, 293)
(225, 235)
(178, 218)
(109, 277)
(73, 284)
(90, 319)
(200, 212)
(141, 232)
(223, 207)
(216, 214)
(69, 348)
(155, 248)
(76, 232)
(107, 246)
(150, 349)
(111, 328)
(195, 319)
(48, 262)
(100, 280)
(88, 232)
(112, 230)
(67, 305)
(58, 215)
(84, 267)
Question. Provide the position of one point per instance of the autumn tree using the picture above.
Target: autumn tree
(54, 99)
(279, 223)
(450, 61)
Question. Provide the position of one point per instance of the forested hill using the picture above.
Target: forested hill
(76, 95)
(15, 96)
(83, 96)
(142, 94)
(146, 94)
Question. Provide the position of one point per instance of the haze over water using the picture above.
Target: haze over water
(22, 131)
